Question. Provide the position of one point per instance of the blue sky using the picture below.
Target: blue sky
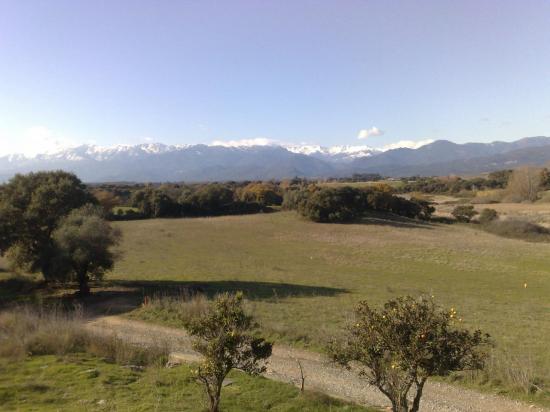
(112, 72)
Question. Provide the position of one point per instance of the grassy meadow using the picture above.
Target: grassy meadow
(81, 382)
(304, 278)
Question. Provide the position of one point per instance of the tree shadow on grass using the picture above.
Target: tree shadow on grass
(17, 288)
(122, 296)
(252, 290)
(385, 219)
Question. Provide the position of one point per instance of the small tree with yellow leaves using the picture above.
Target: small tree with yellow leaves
(225, 341)
(399, 346)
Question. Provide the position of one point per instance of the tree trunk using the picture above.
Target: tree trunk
(396, 407)
(399, 405)
(416, 402)
(214, 404)
(83, 287)
(215, 397)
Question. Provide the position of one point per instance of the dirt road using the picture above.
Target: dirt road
(319, 373)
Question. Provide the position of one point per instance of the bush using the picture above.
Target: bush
(400, 346)
(487, 215)
(464, 213)
(225, 341)
(518, 229)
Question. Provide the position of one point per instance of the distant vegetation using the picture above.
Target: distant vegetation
(455, 184)
(182, 200)
(346, 204)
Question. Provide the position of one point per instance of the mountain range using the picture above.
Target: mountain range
(157, 162)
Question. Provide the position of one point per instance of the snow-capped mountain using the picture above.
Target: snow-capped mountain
(100, 153)
(159, 162)
(334, 153)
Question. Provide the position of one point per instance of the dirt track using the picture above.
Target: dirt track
(319, 373)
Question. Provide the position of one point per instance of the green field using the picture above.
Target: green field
(83, 383)
(303, 278)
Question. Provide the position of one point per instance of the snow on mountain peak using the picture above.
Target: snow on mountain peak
(340, 153)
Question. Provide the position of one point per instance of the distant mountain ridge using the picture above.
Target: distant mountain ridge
(155, 162)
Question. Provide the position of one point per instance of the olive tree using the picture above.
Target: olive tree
(31, 206)
(225, 341)
(84, 244)
(401, 345)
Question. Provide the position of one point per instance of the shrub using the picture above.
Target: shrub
(487, 215)
(464, 213)
(518, 229)
(224, 339)
(400, 346)
(489, 196)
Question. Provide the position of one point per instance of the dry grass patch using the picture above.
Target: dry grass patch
(26, 331)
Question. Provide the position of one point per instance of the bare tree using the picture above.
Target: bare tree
(524, 184)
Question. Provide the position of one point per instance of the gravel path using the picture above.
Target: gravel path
(319, 373)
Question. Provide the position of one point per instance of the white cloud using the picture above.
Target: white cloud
(34, 140)
(258, 141)
(409, 144)
(373, 131)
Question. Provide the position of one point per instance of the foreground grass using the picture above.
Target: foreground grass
(83, 383)
(304, 278)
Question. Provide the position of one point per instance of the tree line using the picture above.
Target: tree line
(346, 204)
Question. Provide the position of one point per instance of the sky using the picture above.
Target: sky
(339, 72)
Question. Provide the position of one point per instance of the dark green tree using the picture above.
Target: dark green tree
(30, 208)
(84, 243)
(153, 202)
(212, 199)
